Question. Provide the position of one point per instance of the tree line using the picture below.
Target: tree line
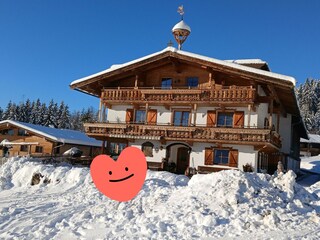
(308, 95)
(51, 115)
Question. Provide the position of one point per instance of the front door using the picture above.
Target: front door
(182, 159)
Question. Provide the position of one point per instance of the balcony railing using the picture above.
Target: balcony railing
(252, 136)
(232, 94)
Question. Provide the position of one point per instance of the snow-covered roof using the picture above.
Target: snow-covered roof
(313, 138)
(234, 65)
(247, 61)
(57, 135)
(181, 25)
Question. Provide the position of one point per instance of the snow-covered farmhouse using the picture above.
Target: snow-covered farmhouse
(19, 138)
(191, 112)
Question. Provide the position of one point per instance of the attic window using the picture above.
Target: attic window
(22, 132)
(9, 132)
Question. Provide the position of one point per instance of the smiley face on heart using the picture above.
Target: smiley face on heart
(122, 179)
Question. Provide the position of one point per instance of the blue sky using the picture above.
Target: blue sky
(46, 44)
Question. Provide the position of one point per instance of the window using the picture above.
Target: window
(225, 119)
(9, 132)
(116, 148)
(221, 156)
(24, 148)
(147, 149)
(181, 118)
(39, 149)
(166, 83)
(22, 132)
(140, 116)
(218, 156)
(192, 81)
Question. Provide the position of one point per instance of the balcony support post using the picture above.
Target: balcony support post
(249, 115)
(194, 114)
(146, 115)
(100, 111)
(271, 113)
(278, 122)
(136, 81)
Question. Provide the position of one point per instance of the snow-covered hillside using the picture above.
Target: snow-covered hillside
(226, 204)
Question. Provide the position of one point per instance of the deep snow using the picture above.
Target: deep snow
(311, 164)
(228, 204)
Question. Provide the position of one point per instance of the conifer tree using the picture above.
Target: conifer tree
(63, 116)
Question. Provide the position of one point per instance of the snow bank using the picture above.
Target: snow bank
(225, 204)
(311, 164)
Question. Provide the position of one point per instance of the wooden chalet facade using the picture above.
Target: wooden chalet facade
(195, 112)
(29, 139)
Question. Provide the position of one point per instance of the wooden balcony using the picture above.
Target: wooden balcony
(226, 95)
(243, 136)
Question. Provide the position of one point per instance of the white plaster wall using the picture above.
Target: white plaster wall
(157, 156)
(285, 133)
(262, 113)
(117, 113)
(260, 91)
(163, 115)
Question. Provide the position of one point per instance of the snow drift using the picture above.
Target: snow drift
(225, 204)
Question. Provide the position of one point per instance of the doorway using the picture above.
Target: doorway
(182, 160)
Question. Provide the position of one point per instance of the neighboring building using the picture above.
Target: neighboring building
(310, 147)
(197, 112)
(36, 140)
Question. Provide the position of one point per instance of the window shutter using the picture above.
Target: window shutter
(238, 119)
(208, 156)
(233, 158)
(152, 117)
(211, 118)
(129, 115)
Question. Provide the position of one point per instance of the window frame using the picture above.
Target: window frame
(225, 120)
(135, 116)
(37, 149)
(181, 119)
(115, 148)
(215, 151)
(24, 148)
(22, 132)
(192, 80)
(165, 80)
(7, 132)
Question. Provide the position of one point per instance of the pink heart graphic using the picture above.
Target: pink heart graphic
(120, 180)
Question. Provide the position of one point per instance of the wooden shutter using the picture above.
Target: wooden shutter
(238, 119)
(208, 156)
(129, 115)
(211, 118)
(233, 158)
(152, 116)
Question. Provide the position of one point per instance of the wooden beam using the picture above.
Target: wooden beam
(276, 97)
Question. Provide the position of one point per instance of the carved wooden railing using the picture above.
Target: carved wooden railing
(252, 136)
(230, 94)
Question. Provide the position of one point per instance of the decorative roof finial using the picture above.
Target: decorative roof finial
(181, 11)
(181, 30)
